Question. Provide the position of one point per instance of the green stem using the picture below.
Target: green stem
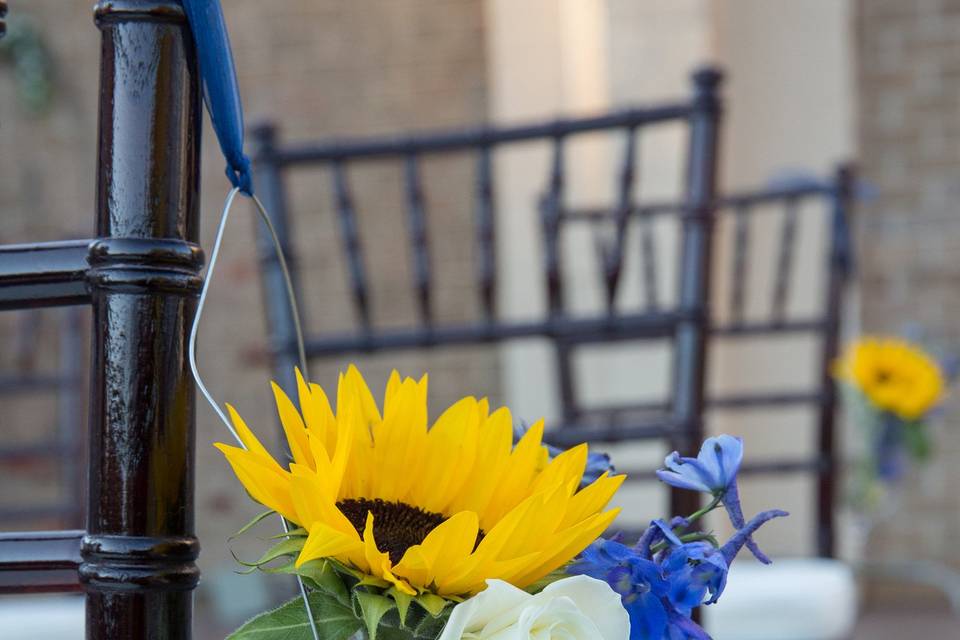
(717, 499)
(690, 537)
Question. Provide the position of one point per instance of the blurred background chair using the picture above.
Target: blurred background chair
(43, 464)
(49, 452)
(739, 313)
(678, 421)
(727, 254)
(821, 601)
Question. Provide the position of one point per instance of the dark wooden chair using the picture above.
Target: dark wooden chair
(141, 274)
(60, 444)
(689, 323)
(831, 199)
(685, 324)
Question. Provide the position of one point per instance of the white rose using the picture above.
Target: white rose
(575, 608)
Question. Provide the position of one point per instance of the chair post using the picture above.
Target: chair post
(690, 348)
(280, 321)
(138, 555)
(838, 271)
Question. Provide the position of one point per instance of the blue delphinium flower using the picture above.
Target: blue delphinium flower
(713, 471)
(672, 570)
(663, 579)
(639, 581)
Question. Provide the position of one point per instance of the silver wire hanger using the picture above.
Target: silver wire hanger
(301, 351)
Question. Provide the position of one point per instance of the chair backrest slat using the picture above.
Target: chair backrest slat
(648, 253)
(613, 256)
(784, 270)
(486, 233)
(418, 236)
(550, 208)
(741, 257)
(352, 246)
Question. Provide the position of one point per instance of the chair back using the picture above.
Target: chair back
(772, 216)
(685, 324)
(135, 557)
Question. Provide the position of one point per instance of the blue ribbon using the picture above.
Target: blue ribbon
(220, 91)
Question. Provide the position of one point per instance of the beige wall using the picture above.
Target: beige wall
(789, 105)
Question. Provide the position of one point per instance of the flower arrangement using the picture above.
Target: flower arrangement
(896, 386)
(466, 530)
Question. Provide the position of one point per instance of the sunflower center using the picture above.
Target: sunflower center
(396, 526)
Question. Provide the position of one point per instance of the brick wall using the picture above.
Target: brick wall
(909, 236)
(317, 68)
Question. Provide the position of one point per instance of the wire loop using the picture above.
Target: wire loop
(195, 328)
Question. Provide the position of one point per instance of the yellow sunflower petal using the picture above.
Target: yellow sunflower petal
(465, 470)
(399, 443)
(317, 414)
(565, 545)
(515, 483)
(353, 382)
(293, 426)
(567, 466)
(493, 453)
(379, 562)
(450, 452)
(246, 436)
(326, 542)
(592, 498)
(267, 484)
(315, 501)
(393, 385)
(443, 550)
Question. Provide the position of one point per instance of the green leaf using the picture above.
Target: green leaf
(289, 621)
(251, 524)
(403, 601)
(430, 628)
(283, 548)
(917, 439)
(299, 532)
(373, 607)
(434, 604)
(322, 574)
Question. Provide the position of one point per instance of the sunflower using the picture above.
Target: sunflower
(437, 510)
(895, 375)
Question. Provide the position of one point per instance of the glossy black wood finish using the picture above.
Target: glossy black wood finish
(141, 274)
(3, 14)
(44, 274)
(39, 561)
(138, 553)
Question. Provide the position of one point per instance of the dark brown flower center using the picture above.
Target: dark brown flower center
(396, 526)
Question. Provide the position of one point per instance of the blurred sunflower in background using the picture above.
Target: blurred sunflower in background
(894, 375)
(418, 509)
